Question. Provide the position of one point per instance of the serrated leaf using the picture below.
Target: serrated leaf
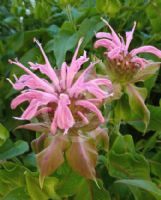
(34, 190)
(124, 162)
(143, 184)
(89, 190)
(17, 194)
(69, 184)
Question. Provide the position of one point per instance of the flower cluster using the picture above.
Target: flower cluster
(123, 63)
(68, 95)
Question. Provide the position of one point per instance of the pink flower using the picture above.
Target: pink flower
(117, 49)
(67, 96)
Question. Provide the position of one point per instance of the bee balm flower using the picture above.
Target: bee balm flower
(67, 96)
(122, 62)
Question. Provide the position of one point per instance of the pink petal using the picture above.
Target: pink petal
(83, 117)
(102, 81)
(33, 94)
(129, 36)
(46, 68)
(104, 35)
(53, 127)
(74, 68)
(63, 75)
(42, 84)
(90, 106)
(115, 39)
(63, 116)
(78, 84)
(77, 49)
(141, 61)
(31, 110)
(146, 49)
(115, 54)
(104, 43)
(43, 110)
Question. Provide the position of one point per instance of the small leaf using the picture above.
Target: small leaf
(82, 157)
(4, 134)
(140, 114)
(11, 177)
(34, 190)
(143, 184)
(69, 184)
(155, 119)
(124, 162)
(17, 194)
(13, 149)
(100, 135)
(89, 190)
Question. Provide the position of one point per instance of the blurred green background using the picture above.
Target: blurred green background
(58, 25)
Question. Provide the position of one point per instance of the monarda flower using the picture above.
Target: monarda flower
(122, 63)
(67, 101)
(125, 68)
(67, 96)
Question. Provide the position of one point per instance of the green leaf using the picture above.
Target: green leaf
(139, 113)
(124, 162)
(82, 157)
(12, 150)
(34, 190)
(108, 6)
(69, 184)
(63, 42)
(89, 190)
(155, 163)
(143, 184)
(155, 119)
(4, 134)
(17, 194)
(11, 177)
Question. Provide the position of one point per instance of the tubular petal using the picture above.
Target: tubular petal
(90, 106)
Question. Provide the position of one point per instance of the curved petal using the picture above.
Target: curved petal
(78, 84)
(115, 37)
(146, 49)
(83, 117)
(108, 44)
(129, 36)
(31, 110)
(104, 35)
(141, 61)
(42, 84)
(46, 68)
(90, 106)
(74, 68)
(33, 94)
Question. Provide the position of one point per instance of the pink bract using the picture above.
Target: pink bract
(117, 48)
(67, 95)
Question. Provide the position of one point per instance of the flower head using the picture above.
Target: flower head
(123, 62)
(68, 95)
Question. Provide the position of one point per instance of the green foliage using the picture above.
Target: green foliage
(129, 152)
